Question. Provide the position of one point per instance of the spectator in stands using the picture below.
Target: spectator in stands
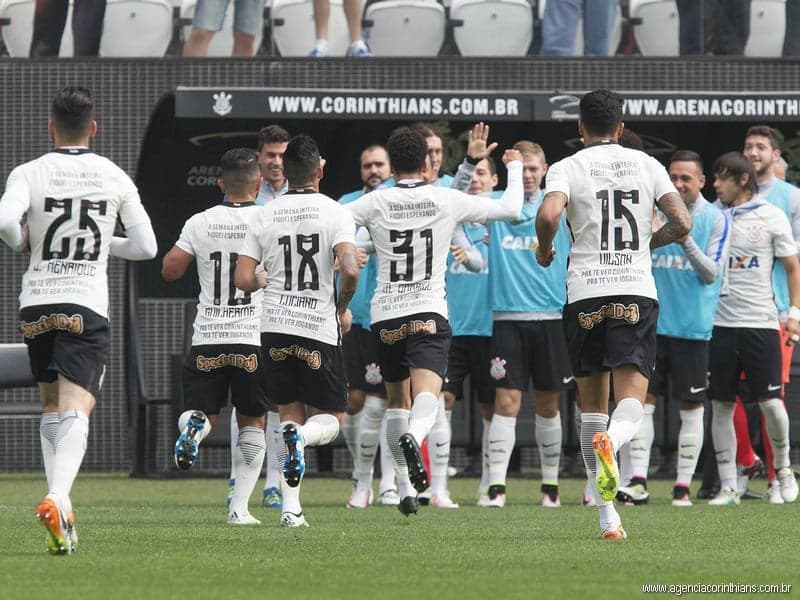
(791, 41)
(726, 27)
(352, 11)
(560, 26)
(50, 18)
(209, 16)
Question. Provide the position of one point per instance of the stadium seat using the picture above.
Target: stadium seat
(493, 27)
(767, 28)
(15, 372)
(222, 42)
(293, 27)
(136, 28)
(406, 27)
(658, 32)
(17, 34)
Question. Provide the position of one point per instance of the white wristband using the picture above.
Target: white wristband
(794, 313)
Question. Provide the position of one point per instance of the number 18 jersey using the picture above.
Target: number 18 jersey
(611, 193)
(293, 237)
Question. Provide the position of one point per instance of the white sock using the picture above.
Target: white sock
(387, 461)
(690, 443)
(48, 430)
(234, 437)
(641, 444)
(367, 443)
(439, 450)
(483, 486)
(350, 427)
(592, 423)
(502, 436)
(423, 415)
(724, 436)
(624, 463)
(548, 439)
(320, 430)
(624, 421)
(397, 425)
(247, 459)
(73, 430)
(183, 422)
(776, 420)
(274, 440)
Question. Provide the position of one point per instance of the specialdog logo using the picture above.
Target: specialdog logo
(59, 321)
(390, 336)
(609, 311)
(312, 358)
(208, 363)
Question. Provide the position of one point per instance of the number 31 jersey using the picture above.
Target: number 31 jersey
(72, 198)
(225, 314)
(293, 238)
(611, 193)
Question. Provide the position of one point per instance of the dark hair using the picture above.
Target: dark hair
(492, 165)
(601, 111)
(272, 134)
(687, 156)
(239, 169)
(630, 139)
(407, 150)
(72, 110)
(301, 160)
(735, 164)
(764, 131)
(426, 129)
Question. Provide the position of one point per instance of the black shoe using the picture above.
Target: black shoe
(185, 451)
(416, 468)
(495, 491)
(295, 464)
(551, 491)
(707, 494)
(408, 506)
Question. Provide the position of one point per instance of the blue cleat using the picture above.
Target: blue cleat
(272, 498)
(295, 464)
(187, 445)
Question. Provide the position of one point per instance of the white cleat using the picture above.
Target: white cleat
(726, 497)
(390, 497)
(235, 518)
(360, 499)
(443, 501)
(292, 520)
(499, 501)
(774, 492)
(483, 499)
(788, 484)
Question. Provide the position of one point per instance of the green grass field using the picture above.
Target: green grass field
(142, 539)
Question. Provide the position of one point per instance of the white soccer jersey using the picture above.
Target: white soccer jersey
(225, 314)
(759, 233)
(293, 237)
(611, 194)
(72, 198)
(411, 226)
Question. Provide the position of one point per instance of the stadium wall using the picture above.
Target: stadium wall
(127, 90)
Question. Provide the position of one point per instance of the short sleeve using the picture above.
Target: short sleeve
(344, 227)
(556, 179)
(662, 184)
(131, 211)
(17, 195)
(252, 243)
(782, 239)
(186, 241)
(360, 209)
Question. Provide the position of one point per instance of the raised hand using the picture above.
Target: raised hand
(477, 147)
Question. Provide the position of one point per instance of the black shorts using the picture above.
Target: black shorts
(529, 350)
(66, 339)
(610, 331)
(756, 352)
(300, 369)
(684, 364)
(361, 359)
(213, 371)
(469, 355)
(420, 341)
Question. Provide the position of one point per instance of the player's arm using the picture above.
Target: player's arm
(548, 219)
(465, 252)
(709, 264)
(13, 206)
(792, 266)
(140, 244)
(175, 263)
(509, 207)
(345, 253)
(477, 150)
(678, 224)
(247, 276)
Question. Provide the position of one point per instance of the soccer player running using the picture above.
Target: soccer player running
(225, 357)
(610, 194)
(296, 238)
(688, 275)
(71, 199)
(746, 326)
(411, 226)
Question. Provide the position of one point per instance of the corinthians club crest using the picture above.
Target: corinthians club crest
(222, 104)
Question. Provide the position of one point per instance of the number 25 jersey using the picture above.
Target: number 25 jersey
(611, 193)
(72, 198)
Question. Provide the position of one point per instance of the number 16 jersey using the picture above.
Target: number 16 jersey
(611, 193)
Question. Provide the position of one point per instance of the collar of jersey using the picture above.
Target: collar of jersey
(230, 204)
(301, 191)
(410, 183)
(72, 150)
(601, 143)
(747, 206)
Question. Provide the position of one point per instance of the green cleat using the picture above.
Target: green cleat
(607, 470)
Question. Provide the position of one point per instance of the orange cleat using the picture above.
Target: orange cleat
(49, 513)
(607, 470)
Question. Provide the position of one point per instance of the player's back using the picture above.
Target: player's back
(298, 233)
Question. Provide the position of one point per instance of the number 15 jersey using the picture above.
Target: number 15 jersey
(72, 198)
(611, 193)
(293, 237)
